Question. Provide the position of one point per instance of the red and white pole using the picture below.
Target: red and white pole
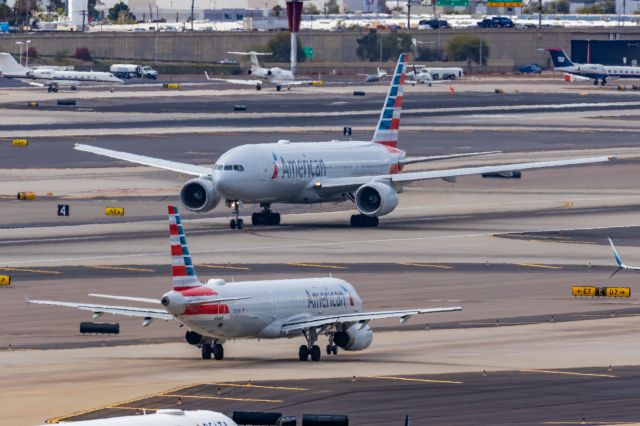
(294, 15)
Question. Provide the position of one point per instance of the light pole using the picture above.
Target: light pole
(19, 43)
(27, 53)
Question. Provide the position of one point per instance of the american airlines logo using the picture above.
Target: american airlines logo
(325, 298)
(301, 169)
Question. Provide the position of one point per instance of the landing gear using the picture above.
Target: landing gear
(206, 351)
(258, 87)
(362, 221)
(218, 352)
(278, 88)
(603, 82)
(266, 216)
(310, 349)
(236, 222)
(595, 82)
(332, 349)
(52, 88)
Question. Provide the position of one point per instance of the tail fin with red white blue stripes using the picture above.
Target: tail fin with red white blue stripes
(389, 122)
(183, 272)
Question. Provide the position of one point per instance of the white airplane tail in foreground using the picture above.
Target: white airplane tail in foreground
(167, 417)
(217, 311)
(619, 261)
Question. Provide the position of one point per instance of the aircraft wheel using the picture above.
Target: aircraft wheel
(218, 351)
(278, 88)
(329, 349)
(303, 353)
(276, 218)
(55, 89)
(240, 223)
(315, 353)
(258, 87)
(232, 224)
(206, 351)
(595, 82)
(603, 82)
(49, 89)
(335, 350)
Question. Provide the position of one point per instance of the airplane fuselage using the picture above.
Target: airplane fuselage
(269, 306)
(273, 75)
(598, 71)
(287, 172)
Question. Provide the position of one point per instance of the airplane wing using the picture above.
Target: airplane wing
(619, 261)
(129, 311)
(352, 183)
(132, 299)
(197, 301)
(233, 80)
(365, 317)
(188, 169)
(414, 160)
(31, 82)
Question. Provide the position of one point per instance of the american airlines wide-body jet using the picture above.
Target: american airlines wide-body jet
(268, 309)
(368, 173)
(597, 72)
(53, 78)
(166, 417)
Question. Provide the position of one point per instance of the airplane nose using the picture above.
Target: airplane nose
(226, 186)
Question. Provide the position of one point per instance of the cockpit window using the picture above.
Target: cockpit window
(219, 167)
(235, 167)
(228, 167)
(238, 168)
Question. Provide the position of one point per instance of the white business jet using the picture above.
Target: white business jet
(367, 173)
(53, 78)
(217, 311)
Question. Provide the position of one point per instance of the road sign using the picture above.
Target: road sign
(347, 131)
(504, 4)
(63, 209)
(308, 52)
(452, 3)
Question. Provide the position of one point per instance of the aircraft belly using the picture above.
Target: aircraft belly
(227, 326)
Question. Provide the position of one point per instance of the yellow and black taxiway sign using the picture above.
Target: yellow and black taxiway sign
(590, 291)
(5, 280)
(26, 196)
(171, 85)
(114, 211)
(20, 142)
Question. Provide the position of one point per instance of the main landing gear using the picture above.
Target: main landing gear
(362, 221)
(266, 216)
(52, 88)
(215, 349)
(236, 222)
(310, 349)
(602, 82)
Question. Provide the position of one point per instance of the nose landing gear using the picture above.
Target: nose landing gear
(236, 222)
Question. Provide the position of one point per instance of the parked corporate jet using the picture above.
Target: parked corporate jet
(269, 309)
(52, 78)
(619, 261)
(274, 75)
(168, 417)
(372, 78)
(421, 76)
(597, 72)
(366, 173)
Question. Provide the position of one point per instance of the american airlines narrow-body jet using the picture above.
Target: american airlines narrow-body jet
(218, 311)
(367, 173)
(53, 78)
(598, 72)
(166, 417)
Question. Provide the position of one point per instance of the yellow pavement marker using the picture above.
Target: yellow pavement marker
(222, 398)
(409, 379)
(238, 385)
(535, 265)
(38, 271)
(569, 373)
(426, 265)
(122, 268)
(315, 265)
(208, 265)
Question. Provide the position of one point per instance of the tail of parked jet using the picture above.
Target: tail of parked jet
(389, 123)
(559, 58)
(10, 67)
(183, 271)
(253, 56)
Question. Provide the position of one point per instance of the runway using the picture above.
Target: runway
(507, 250)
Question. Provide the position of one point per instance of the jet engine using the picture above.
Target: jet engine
(354, 338)
(199, 195)
(376, 199)
(193, 338)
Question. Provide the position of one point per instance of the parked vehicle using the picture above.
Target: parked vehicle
(531, 69)
(496, 22)
(132, 71)
(487, 23)
(4, 27)
(433, 24)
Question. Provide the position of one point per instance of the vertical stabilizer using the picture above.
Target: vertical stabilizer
(10, 67)
(183, 272)
(389, 123)
(559, 58)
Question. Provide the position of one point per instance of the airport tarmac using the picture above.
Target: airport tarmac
(507, 250)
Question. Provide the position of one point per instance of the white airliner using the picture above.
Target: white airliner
(269, 309)
(274, 75)
(168, 417)
(52, 78)
(372, 78)
(366, 173)
(597, 72)
(619, 261)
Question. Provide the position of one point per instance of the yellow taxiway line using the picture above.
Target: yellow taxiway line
(221, 398)
(408, 379)
(206, 265)
(426, 265)
(569, 373)
(38, 271)
(122, 268)
(236, 385)
(315, 265)
(535, 265)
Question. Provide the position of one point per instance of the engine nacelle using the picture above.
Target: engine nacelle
(376, 199)
(199, 195)
(193, 338)
(354, 338)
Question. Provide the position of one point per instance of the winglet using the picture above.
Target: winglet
(616, 256)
